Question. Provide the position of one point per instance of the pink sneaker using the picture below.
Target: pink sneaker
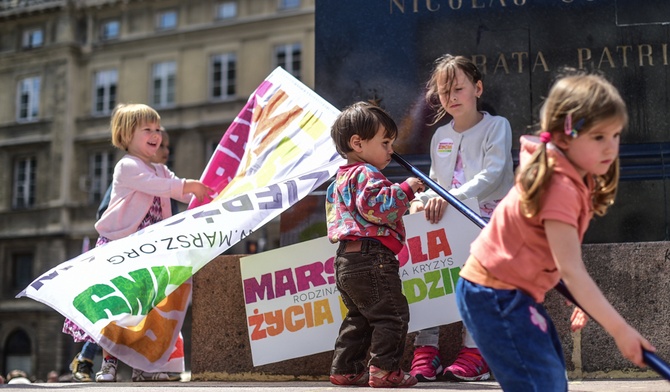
(426, 363)
(468, 366)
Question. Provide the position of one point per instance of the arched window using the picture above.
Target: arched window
(18, 352)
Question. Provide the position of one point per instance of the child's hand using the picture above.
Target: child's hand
(578, 320)
(435, 209)
(415, 206)
(198, 189)
(630, 343)
(416, 184)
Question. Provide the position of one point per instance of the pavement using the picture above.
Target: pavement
(646, 385)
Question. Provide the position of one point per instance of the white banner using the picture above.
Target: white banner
(130, 295)
(294, 308)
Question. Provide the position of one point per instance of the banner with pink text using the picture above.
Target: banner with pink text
(294, 308)
(131, 294)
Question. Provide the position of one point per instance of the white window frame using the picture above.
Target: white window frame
(106, 34)
(101, 171)
(288, 51)
(225, 82)
(28, 99)
(163, 83)
(289, 4)
(105, 80)
(226, 10)
(33, 38)
(23, 184)
(163, 17)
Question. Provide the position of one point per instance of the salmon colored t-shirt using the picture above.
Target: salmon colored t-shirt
(513, 248)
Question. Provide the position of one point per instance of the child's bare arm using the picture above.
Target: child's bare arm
(566, 250)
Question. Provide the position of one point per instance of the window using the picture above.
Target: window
(289, 58)
(22, 271)
(286, 4)
(226, 10)
(18, 352)
(167, 20)
(101, 170)
(110, 30)
(104, 93)
(223, 75)
(33, 38)
(24, 183)
(28, 96)
(163, 83)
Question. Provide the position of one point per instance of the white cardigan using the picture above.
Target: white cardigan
(486, 151)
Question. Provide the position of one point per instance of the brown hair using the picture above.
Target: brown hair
(447, 65)
(589, 99)
(362, 119)
(127, 117)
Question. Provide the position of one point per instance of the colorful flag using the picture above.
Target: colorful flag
(131, 294)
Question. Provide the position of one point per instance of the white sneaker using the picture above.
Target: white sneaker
(140, 375)
(107, 372)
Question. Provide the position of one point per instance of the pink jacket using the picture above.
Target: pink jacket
(133, 189)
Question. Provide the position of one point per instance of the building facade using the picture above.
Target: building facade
(64, 65)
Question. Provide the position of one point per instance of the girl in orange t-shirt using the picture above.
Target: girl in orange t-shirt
(568, 172)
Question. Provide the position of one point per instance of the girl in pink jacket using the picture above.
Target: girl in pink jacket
(141, 193)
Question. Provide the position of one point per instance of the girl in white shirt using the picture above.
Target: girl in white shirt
(470, 157)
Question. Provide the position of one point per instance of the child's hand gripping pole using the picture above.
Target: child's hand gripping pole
(651, 359)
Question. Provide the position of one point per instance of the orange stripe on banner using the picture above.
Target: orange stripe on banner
(177, 300)
(277, 123)
(265, 119)
(163, 328)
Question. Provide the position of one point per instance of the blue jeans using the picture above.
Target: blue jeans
(88, 351)
(378, 314)
(516, 337)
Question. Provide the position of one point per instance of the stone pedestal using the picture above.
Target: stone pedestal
(634, 276)
(220, 339)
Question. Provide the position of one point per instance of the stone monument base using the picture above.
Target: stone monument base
(634, 276)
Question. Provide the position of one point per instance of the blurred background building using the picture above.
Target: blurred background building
(64, 65)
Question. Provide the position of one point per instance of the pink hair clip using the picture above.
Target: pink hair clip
(569, 129)
(545, 137)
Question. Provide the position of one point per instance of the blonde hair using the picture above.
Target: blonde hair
(447, 65)
(127, 117)
(589, 99)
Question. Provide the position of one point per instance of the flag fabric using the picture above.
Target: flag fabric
(131, 294)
